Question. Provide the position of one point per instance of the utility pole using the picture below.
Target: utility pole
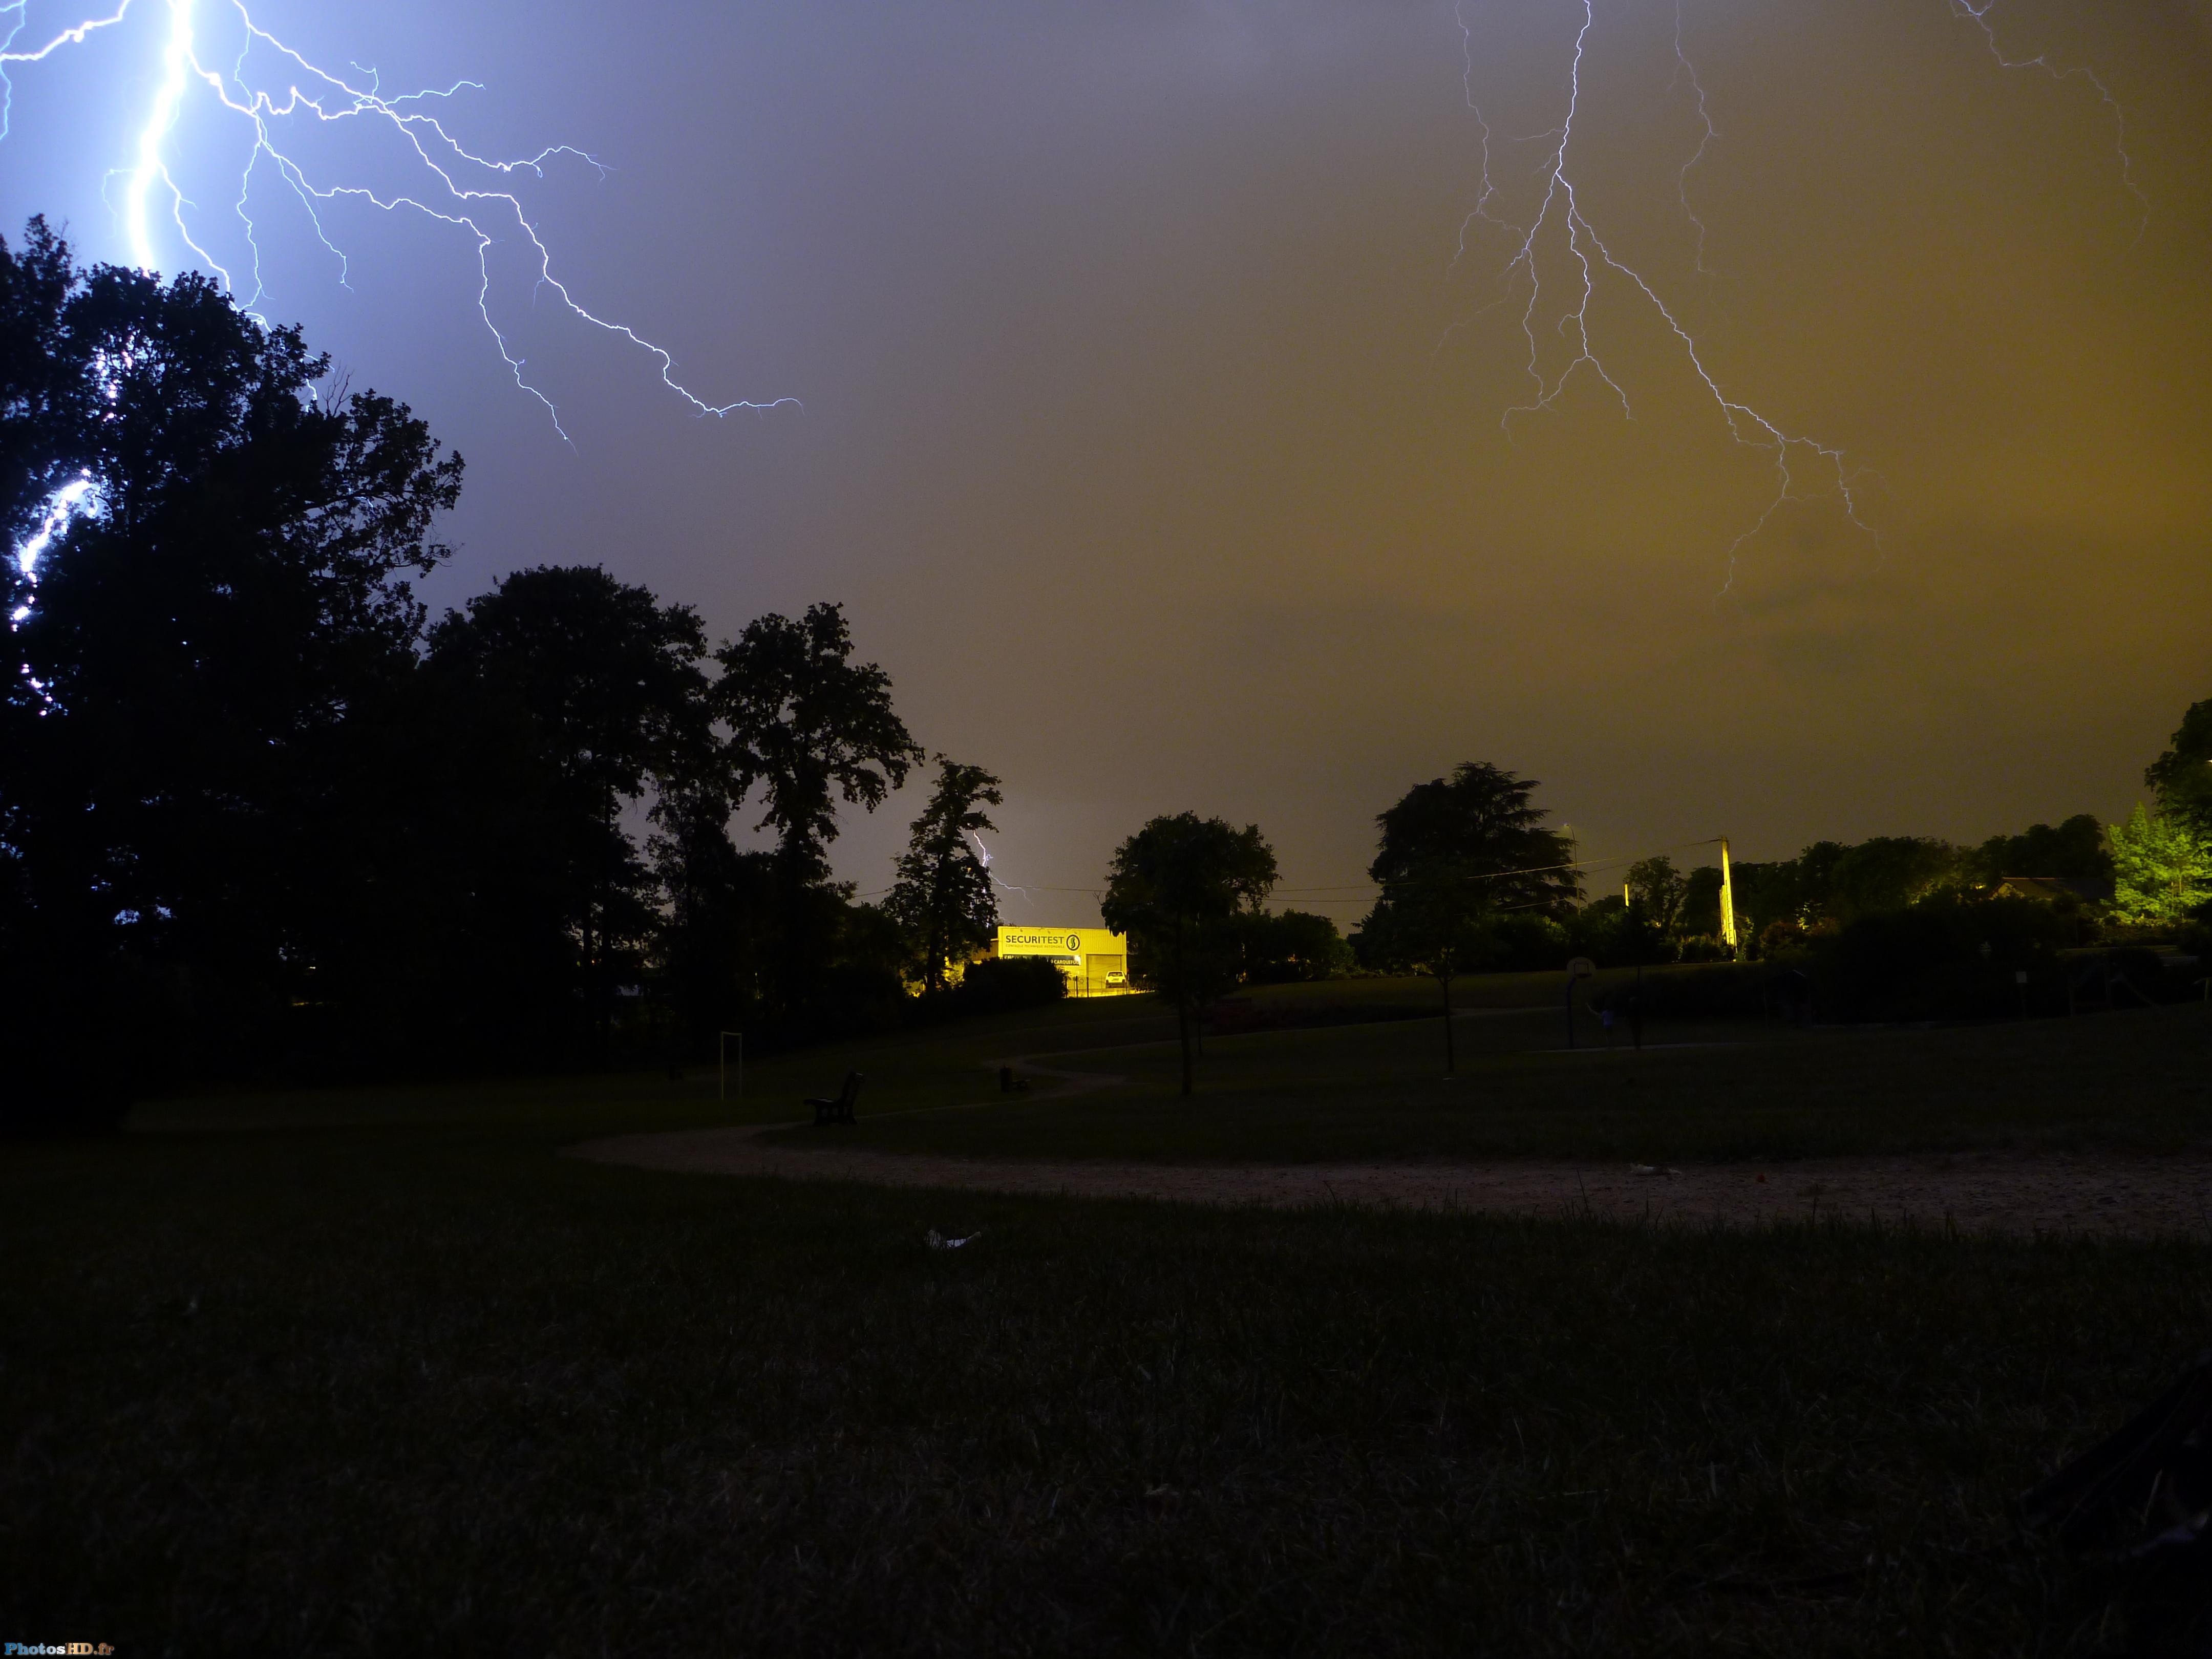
(1727, 900)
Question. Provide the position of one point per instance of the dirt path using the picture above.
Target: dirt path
(2116, 1196)
(2096, 1193)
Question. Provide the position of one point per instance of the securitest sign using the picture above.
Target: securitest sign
(1095, 960)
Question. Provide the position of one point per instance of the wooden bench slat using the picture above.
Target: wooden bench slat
(839, 1110)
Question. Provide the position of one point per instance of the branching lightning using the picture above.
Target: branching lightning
(1560, 248)
(1589, 258)
(460, 188)
(1979, 15)
(1685, 69)
(983, 859)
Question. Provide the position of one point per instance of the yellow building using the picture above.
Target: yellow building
(1095, 961)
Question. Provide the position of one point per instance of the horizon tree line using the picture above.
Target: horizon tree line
(1471, 879)
(259, 811)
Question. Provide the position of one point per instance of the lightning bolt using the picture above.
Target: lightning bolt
(469, 192)
(1685, 69)
(1589, 258)
(77, 497)
(1561, 247)
(983, 858)
(1979, 16)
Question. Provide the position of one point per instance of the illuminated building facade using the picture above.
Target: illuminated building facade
(1095, 963)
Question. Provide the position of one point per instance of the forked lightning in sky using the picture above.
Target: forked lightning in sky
(1982, 17)
(1560, 252)
(1556, 261)
(983, 858)
(214, 50)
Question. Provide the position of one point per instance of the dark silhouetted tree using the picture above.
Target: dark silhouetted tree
(46, 391)
(806, 726)
(608, 680)
(1886, 873)
(1295, 944)
(943, 896)
(1656, 890)
(1178, 888)
(718, 904)
(1456, 853)
(171, 766)
(2075, 849)
(2182, 774)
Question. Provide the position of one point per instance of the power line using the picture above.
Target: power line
(1358, 892)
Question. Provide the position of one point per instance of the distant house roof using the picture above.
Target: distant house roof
(2089, 890)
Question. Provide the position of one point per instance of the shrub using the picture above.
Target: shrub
(1717, 990)
(1525, 942)
(1293, 945)
(1614, 935)
(998, 985)
(1948, 959)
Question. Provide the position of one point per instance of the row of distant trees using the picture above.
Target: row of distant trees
(1474, 880)
(259, 811)
(1460, 860)
(2151, 870)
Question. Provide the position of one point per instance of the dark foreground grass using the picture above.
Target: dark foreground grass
(430, 1389)
(920, 1069)
(2138, 1082)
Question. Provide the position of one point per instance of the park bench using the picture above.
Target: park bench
(839, 1110)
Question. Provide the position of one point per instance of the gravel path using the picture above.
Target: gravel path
(2131, 1196)
(2104, 1194)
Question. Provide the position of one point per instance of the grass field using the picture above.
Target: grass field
(2139, 1081)
(376, 1372)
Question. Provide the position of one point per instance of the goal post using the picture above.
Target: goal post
(722, 1062)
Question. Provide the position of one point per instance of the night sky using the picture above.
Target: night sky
(1151, 429)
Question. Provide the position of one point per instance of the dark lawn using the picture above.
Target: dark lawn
(2131, 1081)
(426, 1387)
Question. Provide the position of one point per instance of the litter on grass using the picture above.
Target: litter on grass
(1651, 1170)
(939, 1241)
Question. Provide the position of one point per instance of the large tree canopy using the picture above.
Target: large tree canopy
(1456, 853)
(1178, 887)
(1479, 823)
(46, 439)
(807, 724)
(1656, 890)
(605, 679)
(609, 675)
(2182, 774)
(943, 895)
(190, 643)
(2162, 867)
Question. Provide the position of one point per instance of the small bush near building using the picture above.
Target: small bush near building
(998, 985)
(1294, 945)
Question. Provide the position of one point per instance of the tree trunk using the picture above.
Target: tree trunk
(603, 992)
(1451, 1053)
(590, 971)
(1182, 1006)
